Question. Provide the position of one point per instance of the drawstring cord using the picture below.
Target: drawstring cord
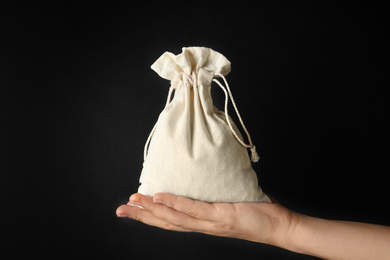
(254, 156)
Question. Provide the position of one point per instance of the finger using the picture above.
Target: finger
(170, 215)
(146, 217)
(194, 208)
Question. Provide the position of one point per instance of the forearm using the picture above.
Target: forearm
(331, 239)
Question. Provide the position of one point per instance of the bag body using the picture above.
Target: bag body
(195, 150)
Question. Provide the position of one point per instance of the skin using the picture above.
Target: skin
(268, 223)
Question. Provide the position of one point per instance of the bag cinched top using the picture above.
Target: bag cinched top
(195, 150)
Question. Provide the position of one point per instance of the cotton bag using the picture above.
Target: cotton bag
(195, 150)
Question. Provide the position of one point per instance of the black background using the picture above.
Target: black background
(78, 100)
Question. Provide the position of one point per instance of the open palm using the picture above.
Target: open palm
(255, 221)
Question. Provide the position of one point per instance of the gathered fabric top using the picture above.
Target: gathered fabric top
(190, 62)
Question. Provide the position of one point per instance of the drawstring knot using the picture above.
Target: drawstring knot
(254, 155)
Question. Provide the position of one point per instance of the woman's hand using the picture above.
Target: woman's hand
(254, 221)
(267, 223)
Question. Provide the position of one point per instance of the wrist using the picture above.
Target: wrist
(297, 234)
(286, 231)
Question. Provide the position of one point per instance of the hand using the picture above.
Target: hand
(267, 223)
(254, 221)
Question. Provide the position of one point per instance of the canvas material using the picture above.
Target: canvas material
(192, 150)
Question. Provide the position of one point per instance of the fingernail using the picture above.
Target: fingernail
(121, 215)
(135, 204)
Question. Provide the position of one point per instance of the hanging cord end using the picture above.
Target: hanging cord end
(254, 155)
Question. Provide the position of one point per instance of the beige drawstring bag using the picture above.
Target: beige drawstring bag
(194, 149)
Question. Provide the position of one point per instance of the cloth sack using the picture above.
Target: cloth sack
(195, 150)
